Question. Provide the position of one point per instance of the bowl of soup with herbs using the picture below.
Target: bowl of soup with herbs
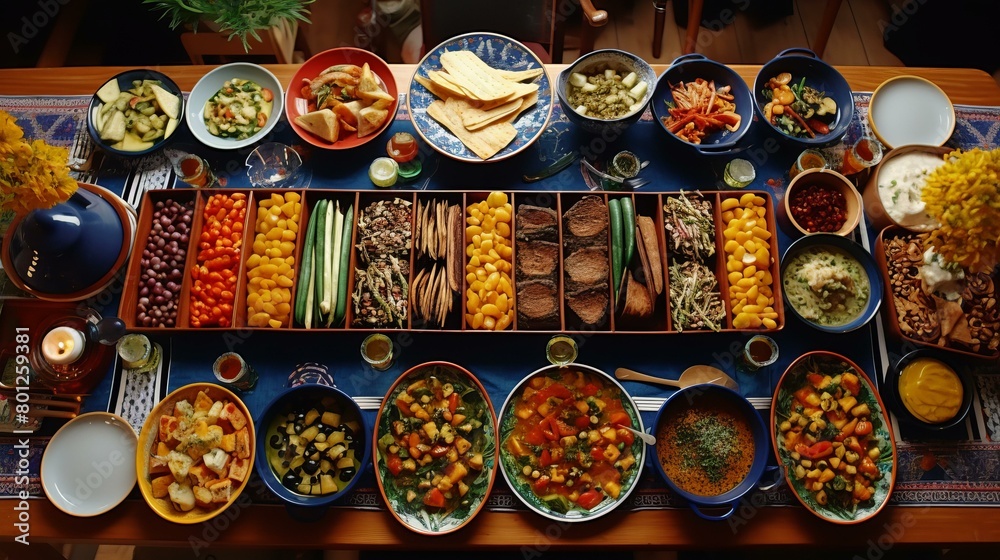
(711, 447)
(831, 283)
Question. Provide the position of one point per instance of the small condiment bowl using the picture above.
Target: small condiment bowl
(829, 240)
(875, 210)
(621, 61)
(826, 178)
(895, 398)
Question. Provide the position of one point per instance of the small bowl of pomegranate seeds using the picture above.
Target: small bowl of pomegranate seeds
(821, 201)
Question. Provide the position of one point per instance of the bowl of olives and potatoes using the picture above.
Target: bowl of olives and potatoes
(315, 446)
(135, 113)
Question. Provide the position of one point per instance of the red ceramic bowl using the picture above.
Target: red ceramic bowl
(296, 105)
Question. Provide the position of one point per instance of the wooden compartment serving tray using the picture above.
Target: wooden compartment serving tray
(457, 318)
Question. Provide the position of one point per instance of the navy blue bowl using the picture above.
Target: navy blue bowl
(125, 80)
(819, 75)
(729, 500)
(954, 362)
(302, 507)
(688, 68)
(623, 62)
(853, 249)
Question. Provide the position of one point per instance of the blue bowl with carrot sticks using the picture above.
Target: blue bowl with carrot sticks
(702, 105)
(821, 104)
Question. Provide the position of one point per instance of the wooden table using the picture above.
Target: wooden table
(255, 526)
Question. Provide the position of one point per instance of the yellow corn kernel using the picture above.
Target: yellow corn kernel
(731, 245)
(762, 300)
(750, 271)
(746, 282)
(730, 232)
(477, 320)
(752, 293)
(729, 204)
(761, 233)
(761, 211)
(734, 265)
(769, 323)
(476, 285)
(728, 216)
(491, 310)
(735, 277)
(489, 323)
(505, 287)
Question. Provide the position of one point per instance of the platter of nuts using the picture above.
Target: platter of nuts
(935, 303)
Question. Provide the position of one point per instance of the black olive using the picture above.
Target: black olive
(291, 480)
(311, 449)
(276, 441)
(281, 453)
(347, 473)
(348, 432)
(310, 467)
(298, 428)
(285, 464)
(327, 430)
(300, 418)
(319, 426)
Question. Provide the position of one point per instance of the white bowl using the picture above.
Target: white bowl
(209, 85)
(911, 110)
(88, 467)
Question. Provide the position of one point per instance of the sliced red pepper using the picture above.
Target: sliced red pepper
(582, 422)
(804, 393)
(625, 435)
(542, 483)
(394, 464)
(851, 443)
(545, 459)
(557, 390)
(434, 498)
(589, 499)
(453, 402)
(814, 379)
(550, 429)
(818, 450)
(535, 436)
(590, 389)
(621, 418)
(565, 429)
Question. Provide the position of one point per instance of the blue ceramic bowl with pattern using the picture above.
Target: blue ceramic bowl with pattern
(501, 53)
(688, 68)
(622, 63)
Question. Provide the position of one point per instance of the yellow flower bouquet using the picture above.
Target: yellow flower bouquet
(33, 174)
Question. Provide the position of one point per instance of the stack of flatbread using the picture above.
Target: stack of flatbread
(478, 103)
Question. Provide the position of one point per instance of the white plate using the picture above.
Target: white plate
(89, 465)
(211, 83)
(911, 110)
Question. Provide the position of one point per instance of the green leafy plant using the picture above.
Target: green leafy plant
(240, 18)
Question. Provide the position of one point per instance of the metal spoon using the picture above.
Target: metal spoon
(691, 376)
(648, 439)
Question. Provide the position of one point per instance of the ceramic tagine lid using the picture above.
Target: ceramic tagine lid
(72, 250)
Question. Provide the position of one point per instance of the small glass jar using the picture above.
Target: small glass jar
(376, 349)
(739, 173)
(760, 351)
(561, 350)
(808, 159)
(865, 153)
(233, 371)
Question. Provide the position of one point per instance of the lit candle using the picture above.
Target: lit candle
(63, 346)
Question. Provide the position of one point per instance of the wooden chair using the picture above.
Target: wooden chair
(280, 41)
(539, 24)
(694, 21)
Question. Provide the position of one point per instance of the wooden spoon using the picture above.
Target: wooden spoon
(691, 376)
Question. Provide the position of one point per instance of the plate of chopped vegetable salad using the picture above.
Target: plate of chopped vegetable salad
(435, 453)
(833, 438)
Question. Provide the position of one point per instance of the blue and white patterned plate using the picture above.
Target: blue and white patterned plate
(502, 53)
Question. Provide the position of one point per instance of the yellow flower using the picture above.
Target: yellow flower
(32, 175)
